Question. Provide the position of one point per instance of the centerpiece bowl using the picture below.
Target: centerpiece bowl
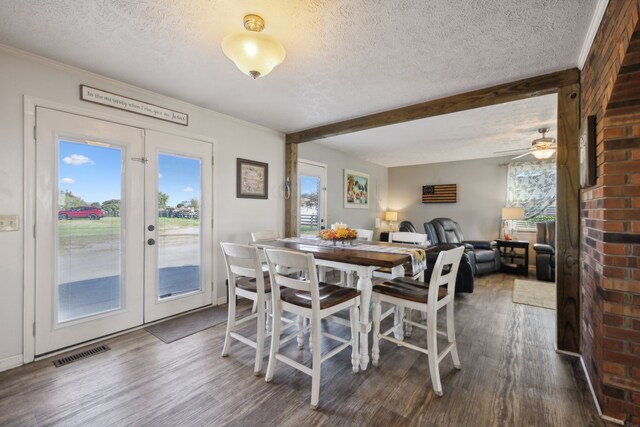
(340, 235)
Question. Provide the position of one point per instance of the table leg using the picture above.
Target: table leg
(364, 286)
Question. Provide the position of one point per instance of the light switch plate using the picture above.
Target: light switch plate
(9, 223)
(377, 222)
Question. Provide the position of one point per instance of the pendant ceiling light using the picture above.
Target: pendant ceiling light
(544, 147)
(254, 53)
(544, 153)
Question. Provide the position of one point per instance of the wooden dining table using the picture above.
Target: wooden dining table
(347, 257)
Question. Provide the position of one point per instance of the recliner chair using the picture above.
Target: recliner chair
(464, 279)
(484, 255)
(545, 248)
(407, 226)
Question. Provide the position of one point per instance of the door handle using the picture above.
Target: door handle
(151, 242)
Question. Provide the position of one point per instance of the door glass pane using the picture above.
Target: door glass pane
(89, 245)
(179, 199)
(309, 205)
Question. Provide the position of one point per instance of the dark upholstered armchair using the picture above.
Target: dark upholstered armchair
(464, 279)
(545, 248)
(407, 226)
(484, 255)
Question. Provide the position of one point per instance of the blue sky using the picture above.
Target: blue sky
(179, 177)
(94, 173)
(308, 184)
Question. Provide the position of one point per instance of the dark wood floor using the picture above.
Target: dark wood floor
(510, 376)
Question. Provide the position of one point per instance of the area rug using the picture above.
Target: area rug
(533, 292)
(179, 327)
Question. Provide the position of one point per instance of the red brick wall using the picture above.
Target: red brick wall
(610, 213)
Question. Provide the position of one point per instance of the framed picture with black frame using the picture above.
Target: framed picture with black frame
(587, 152)
(252, 180)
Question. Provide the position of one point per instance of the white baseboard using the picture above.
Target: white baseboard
(612, 420)
(221, 300)
(593, 393)
(10, 362)
(568, 353)
(595, 400)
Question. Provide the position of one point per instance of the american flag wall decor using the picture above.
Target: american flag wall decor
(445, 193)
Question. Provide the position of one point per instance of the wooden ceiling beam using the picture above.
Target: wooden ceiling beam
(514, 91)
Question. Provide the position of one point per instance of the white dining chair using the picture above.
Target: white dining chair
(258, 236)
(404, 237)
(364, 234)
(301, 296)
(408, 237)
(247, 280)
(406, 293)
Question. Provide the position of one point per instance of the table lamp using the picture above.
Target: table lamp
(390, 217)
(511, 214)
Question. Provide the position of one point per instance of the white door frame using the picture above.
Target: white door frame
(323, 206)
(29, 190)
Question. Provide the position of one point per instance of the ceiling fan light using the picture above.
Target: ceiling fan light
(254, 53)
(543, 154)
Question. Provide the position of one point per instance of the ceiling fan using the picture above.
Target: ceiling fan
(541, 148)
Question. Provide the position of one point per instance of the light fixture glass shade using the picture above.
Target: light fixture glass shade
(544, 153)
(391, 216)
(255, 54)
(513, 213)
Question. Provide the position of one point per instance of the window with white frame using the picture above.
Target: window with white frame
(532, 186)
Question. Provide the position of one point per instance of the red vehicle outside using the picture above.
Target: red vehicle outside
(81, 212)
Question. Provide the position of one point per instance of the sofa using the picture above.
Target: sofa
(484, 255)
(464, 279)
(545, 248)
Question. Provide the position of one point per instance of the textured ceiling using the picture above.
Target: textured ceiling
(471, 134)
(345, 58)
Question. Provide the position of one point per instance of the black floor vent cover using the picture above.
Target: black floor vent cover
(82, 355)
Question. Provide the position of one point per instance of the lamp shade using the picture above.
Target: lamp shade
(254, 53)
(513, 213)
(391, 216)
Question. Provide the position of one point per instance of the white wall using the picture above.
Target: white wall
(482, 189)
(24, 74)
(336, 162)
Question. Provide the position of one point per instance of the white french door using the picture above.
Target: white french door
(312, 206)
(98, 191)
(178, 225)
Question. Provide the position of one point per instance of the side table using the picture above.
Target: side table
(514, 256)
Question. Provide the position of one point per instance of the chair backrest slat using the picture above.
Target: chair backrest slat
(258, 236)
(439, 277)
(364, 234)
(408, 237)
(243, 271)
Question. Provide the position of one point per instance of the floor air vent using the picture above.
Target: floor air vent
(82, 355)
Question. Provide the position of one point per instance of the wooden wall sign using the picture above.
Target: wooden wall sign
(446, 193)
(108, 99)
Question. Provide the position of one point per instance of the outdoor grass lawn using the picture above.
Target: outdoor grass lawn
(86, 230)
(308, 229)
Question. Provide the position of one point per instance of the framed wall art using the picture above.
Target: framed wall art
(356, 189)
(587, 151)
(252, 181)
(446, 193)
